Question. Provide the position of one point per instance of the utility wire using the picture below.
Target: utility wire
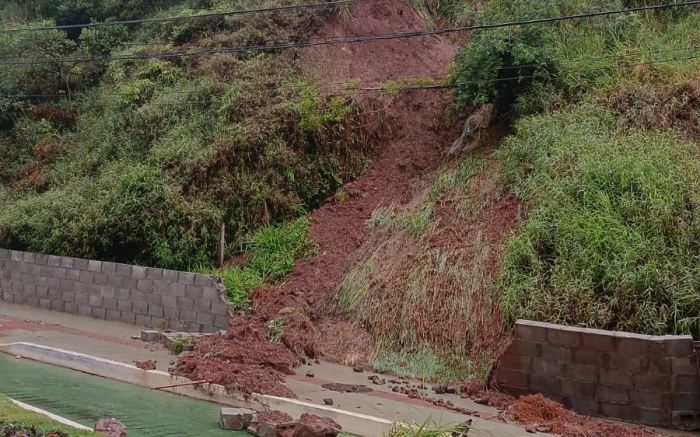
(183, 18)
(342, 40)
(352, 86)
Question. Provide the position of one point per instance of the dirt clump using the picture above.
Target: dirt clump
(536, 410)
(146, 365)
(347, 388)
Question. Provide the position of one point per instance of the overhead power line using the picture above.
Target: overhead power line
(182, 18)
(342, 40)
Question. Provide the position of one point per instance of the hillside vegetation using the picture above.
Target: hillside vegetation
(141, 161)
(588, 214)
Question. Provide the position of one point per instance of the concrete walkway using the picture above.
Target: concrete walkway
(101, 338)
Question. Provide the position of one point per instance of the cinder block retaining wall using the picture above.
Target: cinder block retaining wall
(638, 378)
(139, 295)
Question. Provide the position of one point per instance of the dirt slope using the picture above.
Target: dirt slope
(411, 133)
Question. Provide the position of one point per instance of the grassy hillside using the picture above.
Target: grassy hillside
(587, 215)
(141, 160)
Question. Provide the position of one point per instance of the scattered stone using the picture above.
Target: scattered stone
(146, 365)
(440, 389)
(136, 337)
(309, 374)
(396, 389)
(235, 418)
(451, 390)
(328, 401)
(482, 401)
(346, 388)
(544, 429)
(310, 425)
(150, 336)
(317, 361)
(110, 427)
(375, 380)
(531, 429)
(358, 369)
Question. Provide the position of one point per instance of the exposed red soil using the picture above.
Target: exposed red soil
(538, 410)
(146, 365)
(274, 416)
(412, 134)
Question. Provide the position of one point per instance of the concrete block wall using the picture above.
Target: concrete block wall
(638, 378)
(144, 296)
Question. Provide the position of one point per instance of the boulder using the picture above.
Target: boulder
(110, 427)
(310, 425)
(235, 418)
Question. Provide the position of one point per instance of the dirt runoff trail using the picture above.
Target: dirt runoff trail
(411, 134)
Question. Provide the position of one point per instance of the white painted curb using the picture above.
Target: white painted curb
(353, 423)
(59, 419)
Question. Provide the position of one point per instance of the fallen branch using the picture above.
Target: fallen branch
(204, 381)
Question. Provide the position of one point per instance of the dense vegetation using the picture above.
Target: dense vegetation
(15, 421)
(142, 160)
(612, 236)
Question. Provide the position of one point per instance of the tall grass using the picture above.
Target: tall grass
(612, 237)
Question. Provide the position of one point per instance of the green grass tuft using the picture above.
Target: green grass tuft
(14, 420)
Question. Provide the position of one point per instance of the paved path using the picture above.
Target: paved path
(105, 339)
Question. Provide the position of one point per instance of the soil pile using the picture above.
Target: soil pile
(410, 132)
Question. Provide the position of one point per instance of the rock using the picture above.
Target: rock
(531, 429)
(136, 337)
(235, 418)
(328, 401)
(309, 374)
(310, 425)
(395, 389)
(440, 389)
(544, 429)
(269, 429)
(150, 336)
(110, 427)
(358, 369)
(450, 390)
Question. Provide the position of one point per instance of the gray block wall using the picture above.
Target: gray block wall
(638, 378)
(144, 296)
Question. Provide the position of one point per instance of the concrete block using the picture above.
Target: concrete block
(686, 401)
(185, 303)
(654, 382)
(150, 336)
(154, 274)
(95, 301)
(114, 315)
(128, 317)
(123, 270)
(186, 278)
(123, 294)
(170, 276)
(188, 315)
(57, 305)
(655, 417)
(32, 301)
(84, 310)
(4, 254)
(94, 266)
(8, 296)
(615, 378)
(145, 285)
(139, 308)
(211, 294)
(138, 296)
(155, 310)
(577, 389)
(193, 327)
(154, 299)
(206, 319)
(221, 322)
(80, 264)
(203, 306)
(68, 296)
(565, 337)
(82, 298)
(72, 274)
(509, 378)
(613, 395)
(235, 418)
(688, 420)
(193, 292)
(99, 313)
(579, 372)
(550, 368)
(219, 309)
(690, 383)
(109, 268)
(124, 305)
(177, 290)
(684, 366)
(142, 320)
(86, 277)
(522, 347)
(67, 262)
(109, 303)
(678, 345)
(100, 278)
(53, 260)
(618, 411)
(593, 357)
(70, 307)
(108, 291)
(625, 363)
(169, 301)
(588, 406)
(633, 345)
(16, 255)
(128, 283)
(55, 294)
(138, 272)
(202, 280)
(545, 384)
(45, 303)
